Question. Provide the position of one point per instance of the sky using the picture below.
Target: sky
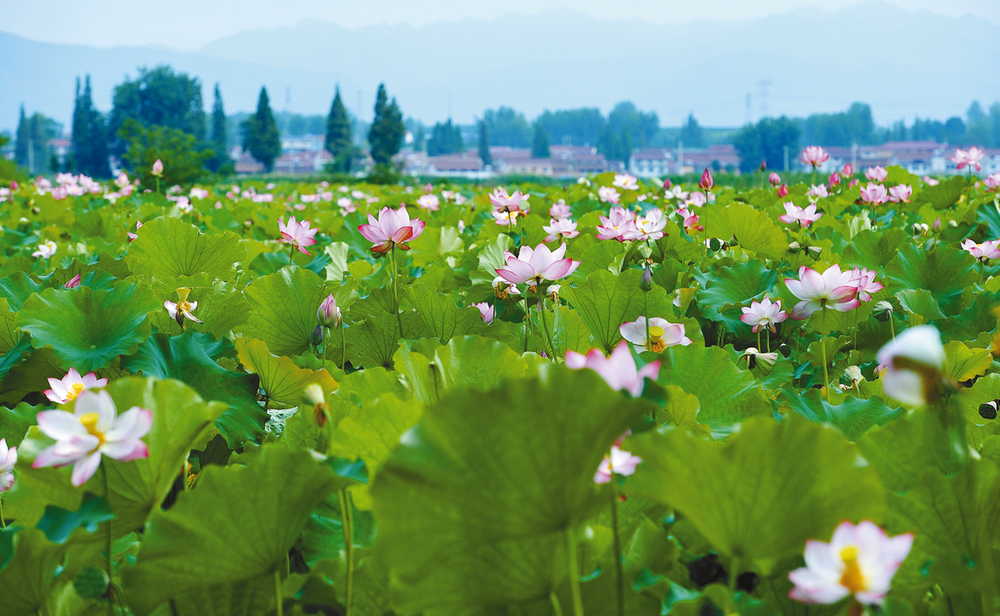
(190, 24)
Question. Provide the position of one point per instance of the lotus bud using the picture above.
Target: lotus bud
(794, 247)
(882, 311)
(988, 410)
(646, 282)
(774, 179)
(763, 165)
(329, 314)
(157, 168)
(13, 186)
(667, 184)
(317, 336)
(783, 191)
(953, 224)
(73, 283)
(847, 171)
(937, 224)
(853, 374)
(707, 182)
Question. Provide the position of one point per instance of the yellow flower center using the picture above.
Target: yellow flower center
(852, 579)
(184, 307)
(655, 342)
(74, 391)
(89, 421)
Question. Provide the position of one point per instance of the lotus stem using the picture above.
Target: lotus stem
(758, 339)
(343, 346)
(527, 318)
(278, 598)
(822, 346)
(556, 606)
(736, 564)
(619, 574)
(3, 523)
(291, 254)
(347, 525)
(111, 569)
(395, 289)
(545, 327)
(574, 572)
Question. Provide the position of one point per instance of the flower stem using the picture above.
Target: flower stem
(619, 574)
(347, 524)
(736, 564)
(645, 298)
(892, 326)
(291, 254)
(574, 572)
(278, 598)
(3, 523)
(111, 569)
(822, 346)
(758, 339)
(556, 606)
(545, 327)
(395, 289)
(527, 319)
(343, 347)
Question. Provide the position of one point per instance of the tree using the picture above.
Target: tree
(484, 144)
(386, 134)
(416, 129)
(339, 139)
(766, 139)
(445, 138)
(221, 162)
(90, 136)
(540, 142)
(183, 158)
(22, 147)
(640, 127)
(573, 126)
(954, 130)
(979, 130)
(995, 123)
(691, 134)
(260, 134)
(158, 97)
(508, 127)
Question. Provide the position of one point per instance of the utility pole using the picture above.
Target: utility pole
(785, 147)
(749, 114)
(763, 84)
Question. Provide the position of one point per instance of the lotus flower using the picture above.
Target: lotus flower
(616, 225)
(763, 314)
(183, 309)
(486, 311)
(662, 334)
(8, 458)
(328, 314)
(534, 266)
(833, 180)
(618, 463)
(608, 195)
(900, 192)
(860, 562)
(912, 363)
(774, 179)
(626, 181)
(297, 233)
(560, 228)
(72, 385)
(707, 181)
(648, 227)
(132, 236)
(507, 203)
(831, 289)
(503, 289)
(988, 250)
(429, 202)
(73, 282)
(690, 221)
(876, 174)
(970, 157)
(392, 229)
(795, 214)
(45, 250)
(559, 210)
(618, 371)
(865, 282)
(93, 429)
(157, 168)
(696, 199)
(875, 194)
(992, 181)
(813, 155)
(783, 191)
(847, 171)
(675, 193)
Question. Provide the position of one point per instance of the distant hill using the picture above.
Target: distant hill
(903, 63)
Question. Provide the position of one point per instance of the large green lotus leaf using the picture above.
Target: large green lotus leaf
(435, 242)
(946, 194)
(31, 376)
(569, 332)
(968, 400)
(188, 358)
(725, 289)
(237, 525)
(366, 385)
(245, 598)
(441, 317)
(280, 378)
(753, 229)
(920, 302)
(873, 250)
(14, 354)
(469, 361)
(284, 309)
(373, 341)
(88, 328)
(945, 272)
(962, 363)
(727, 394)
(852, 417)
(17, 288)
(474, 507)
(9, 333)
(26, 581)
(605, 301)
(766, 491)
(169, 248)
(221, 307)
(14, 422)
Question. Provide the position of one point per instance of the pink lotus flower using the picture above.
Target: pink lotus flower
(328, 314)
(507, 203)
(429, 202)
(157, 168)
(392, 229)
(667, 184)
(783, 191)
(73, 282)
(486, 311)
(813, 155)
(132, 236)
(503, 289)
(618, 371)
(608, 195)
(970, 157)
(988, 250)
(831, 289)
(618, 222)
(559, 210)
(72, 385)
(847, 171)
(817, 191)
(876, 174)
(795, 214)
(834, 180)
(707, 181)
(93, 430)
(618, 463)
(8, 458)
(874, 194)
(122, 180)
(626, 181)
(774, 179)
(763, 314)
(534, 266)
(900, 192)
(865, 282)
(992, 181)
(662, 334)
(297, 234)
(690, 221)
(675, 193)
(648, 227)
(560, 228)
(860, 562)
(505, 218)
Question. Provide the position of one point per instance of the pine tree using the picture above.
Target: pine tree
(339, 140)
(21, 147)
(260, 134)
(220, 141)
(90, 139)
(540, 142)
(387, 131)
(484, 144)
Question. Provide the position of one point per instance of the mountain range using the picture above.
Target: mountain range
(904, 63)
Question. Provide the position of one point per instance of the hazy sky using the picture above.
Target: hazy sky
(189, 24)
